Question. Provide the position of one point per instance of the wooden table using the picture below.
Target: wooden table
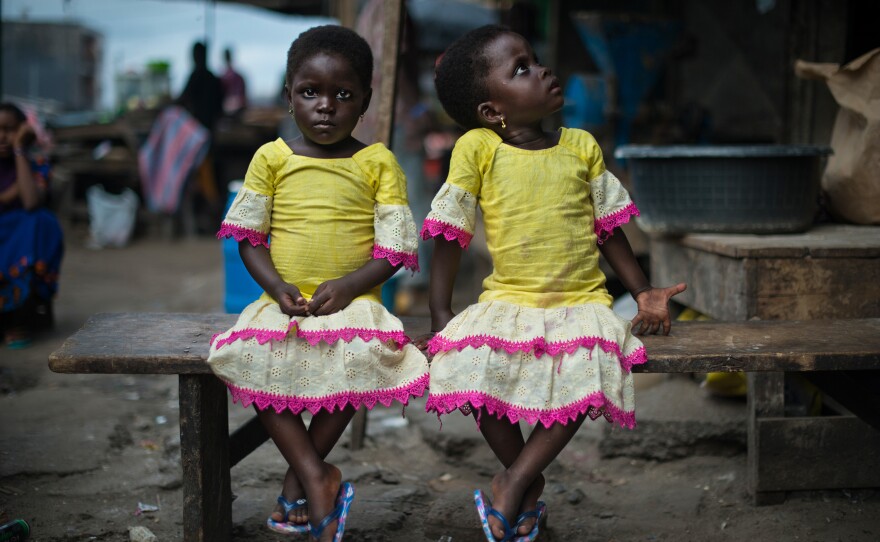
(831, 271)
(154, 343)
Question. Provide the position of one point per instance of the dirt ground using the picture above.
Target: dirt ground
(87, 457)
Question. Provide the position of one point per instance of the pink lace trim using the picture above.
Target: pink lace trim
(238, 233)
(595, 405)
(409, 260)
(539, 346)
(329, 403)
(604, 226)
(433, 228)
(329, 336)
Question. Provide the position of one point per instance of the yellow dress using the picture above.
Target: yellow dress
(542, 344)
(321, 219)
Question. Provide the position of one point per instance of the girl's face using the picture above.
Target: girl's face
(327, 99)
(8, 128)
(520, 88)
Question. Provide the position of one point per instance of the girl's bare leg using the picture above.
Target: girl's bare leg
(325, 431)
(514, 489)
(319, 480)
(506, 441)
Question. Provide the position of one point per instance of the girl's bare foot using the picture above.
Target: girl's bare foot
(322, 493)
(529, 503)
(507, 495)
(292, 491)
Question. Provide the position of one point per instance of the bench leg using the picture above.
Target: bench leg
(246, 439)
(766, 399)
(204, 452)
(358, 428)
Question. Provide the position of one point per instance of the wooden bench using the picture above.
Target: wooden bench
(831, 271)
(153, 343)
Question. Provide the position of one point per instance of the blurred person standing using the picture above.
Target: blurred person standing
(203, 98)
(234, 88)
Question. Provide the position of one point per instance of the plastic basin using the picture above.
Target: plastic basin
(724, 188)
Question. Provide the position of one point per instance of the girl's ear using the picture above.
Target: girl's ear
(367, 97)
(488, 115)
(286, 94)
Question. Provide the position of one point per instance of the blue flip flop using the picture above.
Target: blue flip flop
(484, 510)
(339, 514)
(536, 513)
(288, 527)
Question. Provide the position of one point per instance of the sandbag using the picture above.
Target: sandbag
(852, 176)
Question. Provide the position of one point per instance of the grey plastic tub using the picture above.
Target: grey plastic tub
(725, 189)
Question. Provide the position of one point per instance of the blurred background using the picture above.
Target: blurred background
(96, 74)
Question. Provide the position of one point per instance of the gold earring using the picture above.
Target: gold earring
(503, 126)
(291, 113)
(362, 117)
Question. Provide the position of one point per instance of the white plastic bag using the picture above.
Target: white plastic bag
(111, 216)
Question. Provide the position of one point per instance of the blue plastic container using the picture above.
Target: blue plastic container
(240, 288)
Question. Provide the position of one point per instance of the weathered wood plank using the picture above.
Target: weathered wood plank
(803, 285)
(811, 453)
(393, 24)
(765, 399)
(158, 343)
(204, 454)
(140, 343)
(816, 288)
(718, 286)
(823, 241)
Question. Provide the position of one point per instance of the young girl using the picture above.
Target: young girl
(322, 221)
(542, 343)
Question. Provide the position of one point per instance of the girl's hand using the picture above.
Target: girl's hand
(331, 296)
(24, 136)
(290, 300)
(421, 342)
(654, 309)
(439, 319)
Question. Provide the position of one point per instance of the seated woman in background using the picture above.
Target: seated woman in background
(31, 241)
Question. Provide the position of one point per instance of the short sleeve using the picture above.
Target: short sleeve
(249, 216)
(454, 208)
(395, 236)
(611, 202)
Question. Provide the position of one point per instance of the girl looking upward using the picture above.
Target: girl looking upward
(542, 344)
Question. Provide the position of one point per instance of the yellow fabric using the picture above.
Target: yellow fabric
(544, 254)
(322, 210)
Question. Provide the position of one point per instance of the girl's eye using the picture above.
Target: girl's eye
(309, 93)
(343, 94)
(521, 69)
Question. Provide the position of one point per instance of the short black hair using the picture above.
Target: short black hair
(332, 39)
(14, 110)
(460, 76)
